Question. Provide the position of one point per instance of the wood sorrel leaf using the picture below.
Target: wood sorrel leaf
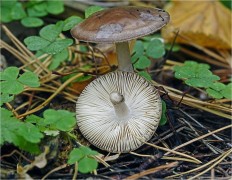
(70, 22)
(92, 9)
(50, 32)
(35, 43)
(58, 45)
(155, 48)
(32, 22)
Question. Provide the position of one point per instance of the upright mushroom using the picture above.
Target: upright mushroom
(117, 108)
(119, 25)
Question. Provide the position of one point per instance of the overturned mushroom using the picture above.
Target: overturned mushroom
(119, 25)
(116, 108)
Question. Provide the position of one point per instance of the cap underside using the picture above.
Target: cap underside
(120, 24)
(97, 119)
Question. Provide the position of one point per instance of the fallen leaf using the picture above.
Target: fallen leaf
(206, 23)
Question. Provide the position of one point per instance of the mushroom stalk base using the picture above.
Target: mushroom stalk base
(124, 58)
(121, 110)
(120, 107)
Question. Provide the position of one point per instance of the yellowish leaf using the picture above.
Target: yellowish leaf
(206, 23)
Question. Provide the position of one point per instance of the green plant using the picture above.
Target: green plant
(92, 9)
(24, 135)
(54, 121)
(227, 3)
(163, 119)
(198, 75)
(29, 12)
(28, 134)
(19, 132)
(219, 90)
(195, 74)
(84, 157)
(50, 42)
(11, 76)
(144, 52)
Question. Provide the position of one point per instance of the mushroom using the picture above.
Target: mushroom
(119, 25)
(116, 108)
(120, 110)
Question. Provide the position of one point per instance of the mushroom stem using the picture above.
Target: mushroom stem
(124, 58)
(120, 107)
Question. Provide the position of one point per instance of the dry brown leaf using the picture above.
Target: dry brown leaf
(206, 23)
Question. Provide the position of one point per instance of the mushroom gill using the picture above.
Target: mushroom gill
(116, 108)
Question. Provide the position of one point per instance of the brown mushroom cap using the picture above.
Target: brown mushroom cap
(120, 24)
(118, 110)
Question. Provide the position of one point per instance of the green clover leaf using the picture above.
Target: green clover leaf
(55, 7)
(59, 119)
(163, 119)
(219, 90)
(32, 22)
(18, 133)
(57, 46)
(11, 84)
(83, 155)
(142, 63)
(195, 74)
(5, 97)
(227, 91)
(70, 22)
(145, 74)
(91, 10)
(87, 164)
(29, 79)
(156, 48)
(137, 51)
(17, 11)
(58, 58)
(35, 43)
(50, 32)
(75, 155)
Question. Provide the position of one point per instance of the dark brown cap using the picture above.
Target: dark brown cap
(120, 24)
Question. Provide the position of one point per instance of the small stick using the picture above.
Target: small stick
(222, 157)
(176, 95)
(17, 152)
(52, 96)
(54, 170)
(205, 58)
(93, 56)
(198, 123)
(169, 150)
(11, 108)
(103, 56)
(197, 134)
(198, 168)
(21, 47)
(178, 159)
(152, 170)
(201, 137)
(75, 171)
(13, 51)
(141, 155)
